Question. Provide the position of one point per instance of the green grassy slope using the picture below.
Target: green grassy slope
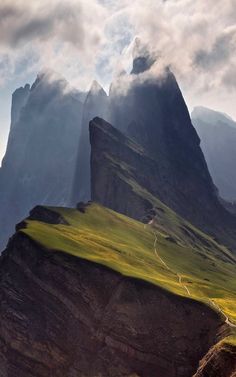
(127, 246)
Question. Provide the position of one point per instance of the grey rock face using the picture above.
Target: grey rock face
(116, 161)
(218, 142)
(39, 164)
(153, 112)
(123, 176)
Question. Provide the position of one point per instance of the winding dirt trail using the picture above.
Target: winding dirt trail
(226, 318)
(168, 268)
(183, 285)
(227, 321)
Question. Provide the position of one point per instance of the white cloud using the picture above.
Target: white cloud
(76, 37)
(59, 34)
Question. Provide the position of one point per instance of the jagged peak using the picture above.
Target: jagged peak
(99, 126)
(49, 76)
(96, 88)
(106, 128)
(27, 87)
(21, 89)
(100, 123)
(48, 73)
(143, 58)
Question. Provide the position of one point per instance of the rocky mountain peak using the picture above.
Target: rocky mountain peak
(142, 64)
(19, 99)
(96, 89)
(143, 58)
(49, 79)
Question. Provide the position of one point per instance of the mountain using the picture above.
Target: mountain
(126, 179)
(218, 139)
(91, 292)
(152, 111)
(39, 163)
(95, 105)
(149, 107)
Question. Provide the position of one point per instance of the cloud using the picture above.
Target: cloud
(222, 51)
(196, 38)
(56, 34)
(75, 22)
(86, 38)
(229, 77)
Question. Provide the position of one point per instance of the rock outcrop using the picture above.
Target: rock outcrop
(220, 361)
(46, 215)
(39, 164)
(61, 315)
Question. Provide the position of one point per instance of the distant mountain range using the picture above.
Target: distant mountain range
(217, 132)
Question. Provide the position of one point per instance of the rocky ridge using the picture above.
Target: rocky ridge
(62, 315)
(123, 175)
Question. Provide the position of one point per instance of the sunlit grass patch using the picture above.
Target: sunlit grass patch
(127, 246)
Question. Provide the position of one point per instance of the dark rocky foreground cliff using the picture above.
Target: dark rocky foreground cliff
(64, 316)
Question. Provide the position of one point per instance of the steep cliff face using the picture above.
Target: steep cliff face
(218, 138)
(115, 161)
(121, 170)
(153, 112)
(95, 105)
(62, 315)
(39, 163)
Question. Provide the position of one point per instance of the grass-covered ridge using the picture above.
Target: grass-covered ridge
(103, 236)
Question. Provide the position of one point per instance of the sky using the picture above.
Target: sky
(93, 39)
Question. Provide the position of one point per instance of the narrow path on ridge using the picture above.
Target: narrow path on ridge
(221, 311)
(167, 267)
(227, 321)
